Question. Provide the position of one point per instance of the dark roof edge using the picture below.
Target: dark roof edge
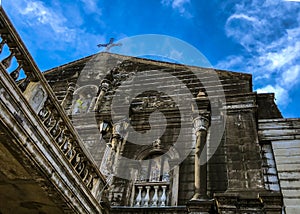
(69, 64)
(144, 60)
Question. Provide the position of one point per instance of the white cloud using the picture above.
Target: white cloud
(91, 6)
(289, 77)
(178, 5)
(278, 59)
(54, 26)
(38, 14)
(231, 62)
(175, 54)
(269, 31)
(241, 16)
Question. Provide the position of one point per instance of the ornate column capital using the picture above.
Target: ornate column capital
(201, 123)
(104, 85)
(119, 128)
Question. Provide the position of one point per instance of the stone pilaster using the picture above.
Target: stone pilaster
(200, 206)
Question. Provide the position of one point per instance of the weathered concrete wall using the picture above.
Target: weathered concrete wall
(287, 156)
(284, 136)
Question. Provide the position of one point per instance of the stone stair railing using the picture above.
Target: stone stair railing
(45, 105)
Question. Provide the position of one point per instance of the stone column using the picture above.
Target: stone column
(119, 137)
(201, 125)
(104, 86)
(116, 135)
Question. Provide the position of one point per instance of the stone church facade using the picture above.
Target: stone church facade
(118, 134)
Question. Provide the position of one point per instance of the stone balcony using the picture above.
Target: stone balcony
(151, 194)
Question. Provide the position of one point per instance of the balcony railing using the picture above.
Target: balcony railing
(151, 194)
(45, 105)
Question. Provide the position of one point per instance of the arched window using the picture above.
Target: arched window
(157, 169)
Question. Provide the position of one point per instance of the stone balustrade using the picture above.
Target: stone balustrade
(17, 59)
(48, 108)
(151, 194)
(68, 144)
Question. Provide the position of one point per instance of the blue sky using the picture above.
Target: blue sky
(260, 37)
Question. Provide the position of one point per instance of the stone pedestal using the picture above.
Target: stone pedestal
(201, 206)
(272, 201)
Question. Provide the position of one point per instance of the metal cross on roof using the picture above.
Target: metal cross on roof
(109, 45)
